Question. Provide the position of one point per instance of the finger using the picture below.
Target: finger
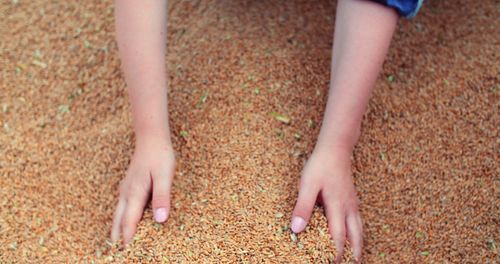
(304, 207)
(133, 212)
(161, 196)
(120, 209)
(355, 234)
(336, 225)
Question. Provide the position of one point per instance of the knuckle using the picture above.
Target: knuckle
(339, 233)
(160, 200)
(307, 184)
(160, 176)
(302, 212)
(128, 222)
(123, 187)
(337, 230)
(336, 207)
(351, 210)
(136, 189)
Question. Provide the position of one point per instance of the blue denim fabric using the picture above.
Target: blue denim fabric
(406, 8)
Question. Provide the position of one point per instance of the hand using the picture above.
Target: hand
(151, 169)
(327, 176)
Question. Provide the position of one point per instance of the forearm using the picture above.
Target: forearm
(363, 32)
(141, 34)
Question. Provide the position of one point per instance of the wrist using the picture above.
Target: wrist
(335, 150)
(337, 153)
(338, 140)
(339, 144)
(153, 138)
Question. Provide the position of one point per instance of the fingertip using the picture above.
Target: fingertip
(338, 259)
(303, 208)
(160, 214)
(115, 232)
(129, 228)
(357, 258)
(337, 231)
(298, 224)
(355, 234)
(357, 252)
(114, 235)
(339, 246)
(117, 218)
(128, 234)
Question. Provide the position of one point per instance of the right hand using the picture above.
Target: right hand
(151, 170)
(327, 177)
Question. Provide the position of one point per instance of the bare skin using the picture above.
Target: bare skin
(141, 33)
(363, 32)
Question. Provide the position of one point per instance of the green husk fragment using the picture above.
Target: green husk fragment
(321, 231)
(87, 44)
(311, 123)
(491, 244)
(280, 134)
(203, 99)
(63, 109)
(40, 64)
(13, 246)
(282, 118)
(41, 241)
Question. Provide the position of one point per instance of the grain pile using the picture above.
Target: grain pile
(426, 167)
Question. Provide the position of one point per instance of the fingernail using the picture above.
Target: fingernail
(160, 215)
(298, 224)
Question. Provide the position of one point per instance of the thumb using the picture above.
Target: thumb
(161, 197)
(303, 207)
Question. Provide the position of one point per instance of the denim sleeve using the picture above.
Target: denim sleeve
(406, 8)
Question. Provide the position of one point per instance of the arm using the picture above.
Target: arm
(141, 35)
(363, 32)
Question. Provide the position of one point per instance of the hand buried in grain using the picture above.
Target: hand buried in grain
(327, 177)
(151, 170)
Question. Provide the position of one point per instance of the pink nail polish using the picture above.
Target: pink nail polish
(298, 224)
(160, 215)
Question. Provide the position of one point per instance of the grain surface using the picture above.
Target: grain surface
(426, 167)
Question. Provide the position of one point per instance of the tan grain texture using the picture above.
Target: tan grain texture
(426, 167)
